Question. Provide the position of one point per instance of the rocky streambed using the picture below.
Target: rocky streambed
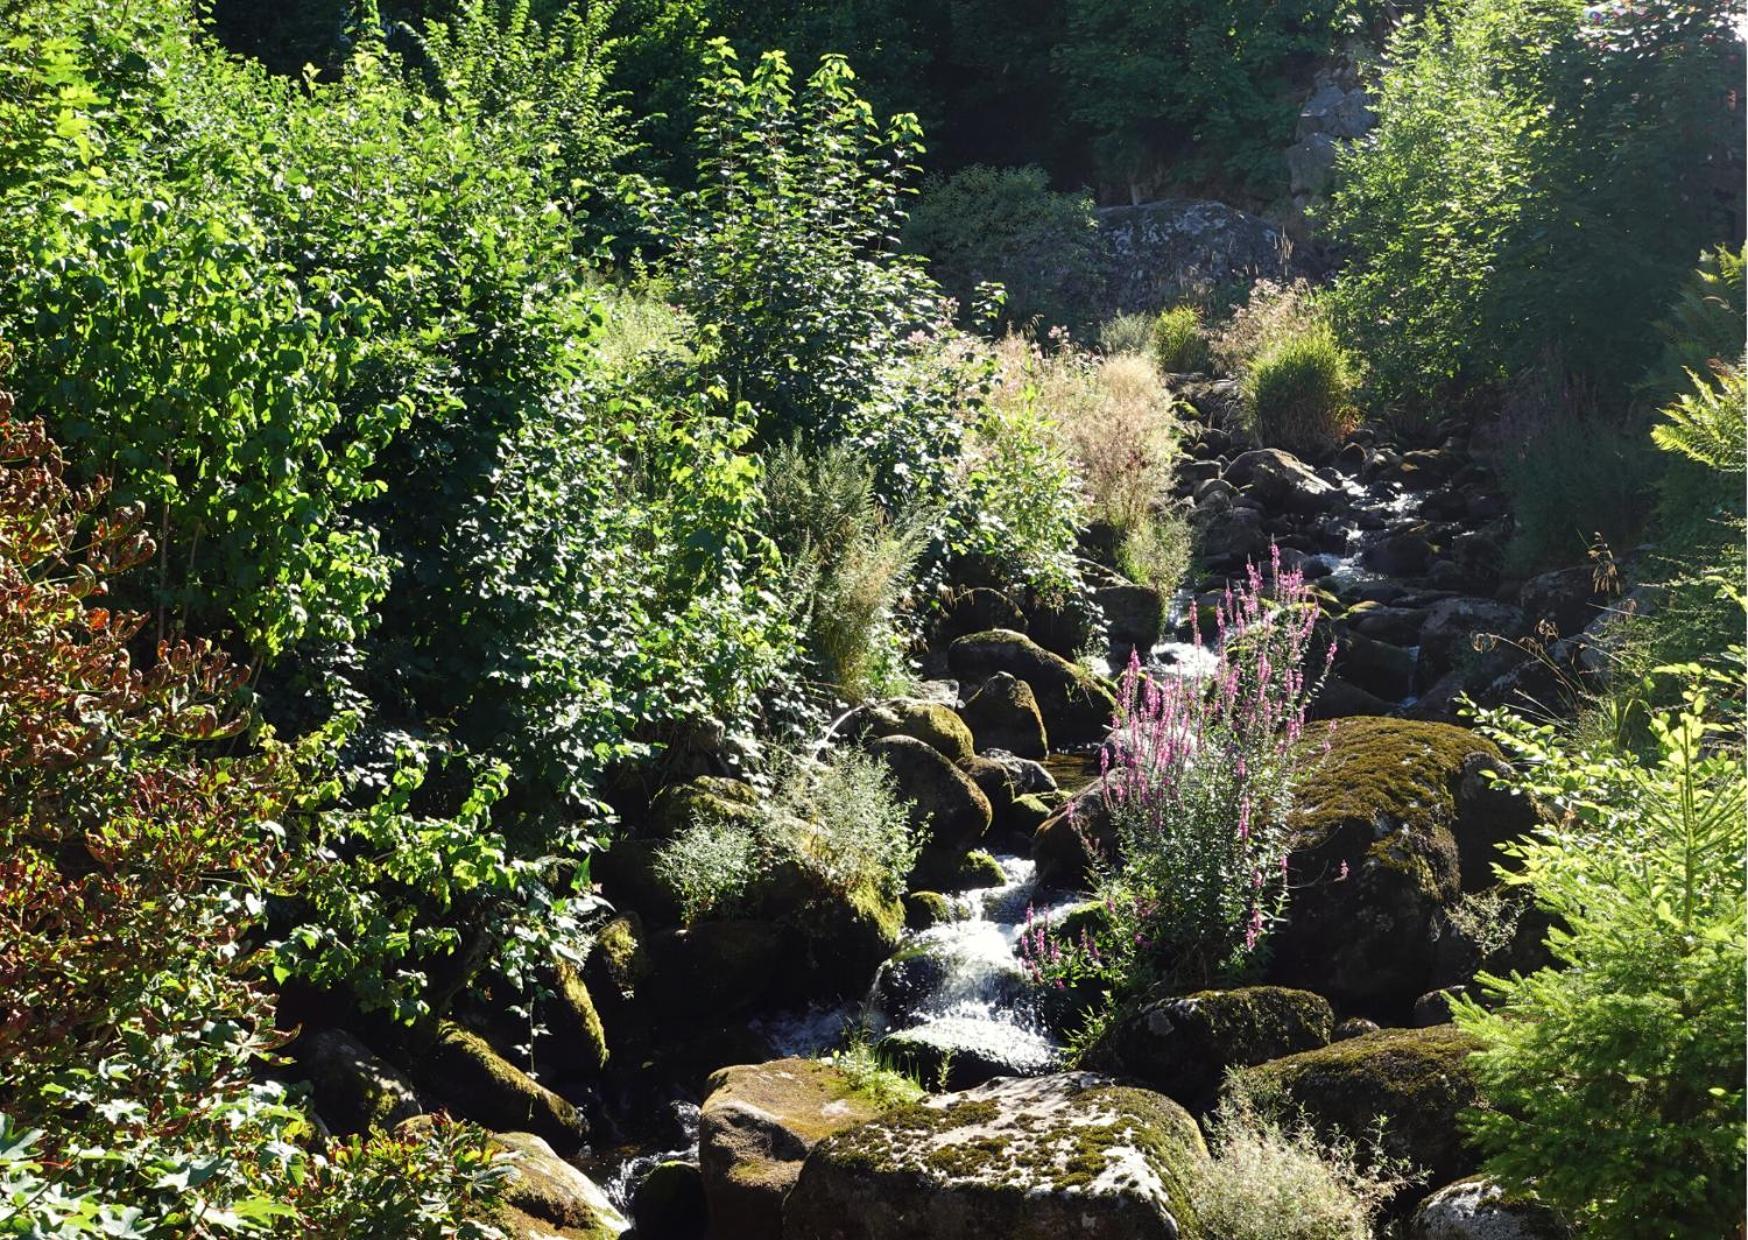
(681, 1067)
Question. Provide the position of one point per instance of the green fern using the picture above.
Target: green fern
(1709, 423)
(1705, 322)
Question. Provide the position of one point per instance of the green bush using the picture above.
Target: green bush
(1179, 344)
(1616, 1078)
(1574, 479)
(1702, 326)
(1539, 182)
(1006, 226)
(848, 565)
(857, 834)
(1126, 333)
(710, 865)
(1298, 391)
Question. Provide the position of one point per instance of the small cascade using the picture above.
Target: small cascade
(960, 988)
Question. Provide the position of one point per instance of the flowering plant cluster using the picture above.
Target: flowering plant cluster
(1199, 779)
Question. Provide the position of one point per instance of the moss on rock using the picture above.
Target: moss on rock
(1417, 1081)
(678, 806)
(553, 1197)
(923, 909)
(1028, 1159)
(1075, 704)
(464, 1069)
(1003, 713)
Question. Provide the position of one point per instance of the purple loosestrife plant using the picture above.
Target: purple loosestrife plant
(1199, 777)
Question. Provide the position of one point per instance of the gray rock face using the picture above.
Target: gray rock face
(1036, 1159)
(547, 1193)
(1075, 705)
(1479, 1210)
(354, 1090)
(944, 801)
(1282, 481)
(1452, 626)
(1155, 252)
(1003, 714)
(1311, 164)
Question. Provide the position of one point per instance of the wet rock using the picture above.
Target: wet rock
(1283, 482)
(1377, 667)
(1454, 629)
(923, 909)
(1478, 1209)
(961, 1053)
(932, 723)
(1566, 599)
(1418, 1081)
(463, 1069)
(757, 1125)
(1133, 616)
(353, 1090)
(669, 1203)
(1075, 705)
(1230, 537)
(943, 800)
(574, 1040)
(916, 973)
(1039, 1159)
(1027, 814)
(1065, 846)
(1003, 714)
(1183, 1045)
(1337, 699)
(1375, 858)
(1354, 1027)
(977, 869)
(544, 1192)
(1352, 459)
(1400, 626)
(1406, 553)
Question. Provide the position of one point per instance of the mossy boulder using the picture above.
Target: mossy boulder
(464, 1070)
(574, 1038)
(757, 1124)
(353, 1090)
(923, 909)
(629, 875)
(943, 800)
(978, 869)
(1376, 857)
(1417, 1081)
(1075, 704)
(1478, 1209)
(959, 1053)
(932, 723)
(678, 806)
(714, 969)
(619, 949)
(1027, 814)
(1003, 714)
(547, 1196)
(669, 1204)
(1031, 1159)
(1183, 1045)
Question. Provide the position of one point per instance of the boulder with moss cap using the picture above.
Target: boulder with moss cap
(546, 1196)
(1183, 1045)
(758, 1123)
(1478, 1209)
(1003, 714)
(933, 723)
(1026, 1159)
(1076, 706)
(1417, 1082)
(712, 797)
(1385, 821)
(354, 1091)
(463, 1069)
(943, 800)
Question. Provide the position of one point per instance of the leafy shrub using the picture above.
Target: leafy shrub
(1268, 313)
(139, 857)
(1616, 1077)
(848, 565)
(1702, 325)
(1298, 391)
(1567, 213)
(1006, 226)
(1574, 477)
(1271, 1179)
(1179, 345)
(1126, 333)
(709, 865)
(857, 833)
(1199, 785)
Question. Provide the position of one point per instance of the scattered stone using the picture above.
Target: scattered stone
(1075, 705)
(1337, 699)
(550, 1193)
(1354, 1027)
(1377, 667)
(1183, 1045)
(464, 1070)
(1416, 1080)
(1039, 1159)
(757, 1124)
(1406, 553)
(1478, 1209)
(1003, 714)
(1400, 626)
(354, 1091)
(1283, 482)
(1567, 599)
(1229, 537)
(1455, 625)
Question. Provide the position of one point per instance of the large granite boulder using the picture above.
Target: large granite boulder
(1003, 714)
(465, 1070)
(1154, 253)
(1417, 1081)
(931, 723)
(353, 1090)
(1478, 1209)
(757, 1124)
(547, 1197)
(1075, 704)
(944, 801)
(1282, 481)
(1386, 822)
(1026, 1159)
